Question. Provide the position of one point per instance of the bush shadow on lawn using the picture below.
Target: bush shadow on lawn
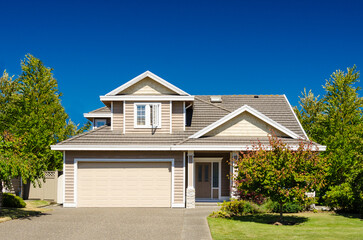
(349, 215)
(271, 219)
(16, 213)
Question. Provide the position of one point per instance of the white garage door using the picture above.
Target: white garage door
(124, 184)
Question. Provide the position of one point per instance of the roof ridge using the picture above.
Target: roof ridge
(225, 109)
(82, 134)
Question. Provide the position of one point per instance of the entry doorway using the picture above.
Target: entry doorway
(207, 178)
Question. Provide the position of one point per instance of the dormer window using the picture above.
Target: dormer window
(147, 115)
(99, 123)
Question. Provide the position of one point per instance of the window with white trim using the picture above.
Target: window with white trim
(147, 115)
(99, 123)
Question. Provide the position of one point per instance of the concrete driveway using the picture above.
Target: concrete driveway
(112, 223)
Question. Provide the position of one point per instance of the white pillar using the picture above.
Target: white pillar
(190, 190)
(233, 174)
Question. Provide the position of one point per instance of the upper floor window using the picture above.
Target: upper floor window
(99, 122)
(147, 115)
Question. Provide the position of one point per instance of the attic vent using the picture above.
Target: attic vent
(216, 99)
(256, 96)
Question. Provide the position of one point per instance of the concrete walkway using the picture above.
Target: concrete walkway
(112, 223)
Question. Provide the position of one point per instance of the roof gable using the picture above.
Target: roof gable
(218, 125)
(244, 125)
(147, 83)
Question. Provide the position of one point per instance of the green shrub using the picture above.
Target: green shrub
(220, 214)
(12, 201)
(289, 207)
(237, 208)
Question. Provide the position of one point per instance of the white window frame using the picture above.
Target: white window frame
(147, 114)
(99, 120)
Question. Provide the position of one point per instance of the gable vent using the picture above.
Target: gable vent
(216, 99)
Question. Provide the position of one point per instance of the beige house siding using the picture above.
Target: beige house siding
(244, 125)
(130, 115)
(178, 116)
(71, 155)
(147, 86)
(118, 116)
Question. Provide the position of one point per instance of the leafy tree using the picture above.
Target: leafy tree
(13, 162)
(336, 121)
(31, 110)
(279, 172)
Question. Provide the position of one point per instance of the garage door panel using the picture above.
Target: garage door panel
(124, 184)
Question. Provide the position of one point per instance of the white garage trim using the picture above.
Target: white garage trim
(75, 165)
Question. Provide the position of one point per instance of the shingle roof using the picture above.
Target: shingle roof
(104, 109)
(105, 136)
(204, 113)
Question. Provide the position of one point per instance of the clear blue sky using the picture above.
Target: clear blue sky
(203, 47)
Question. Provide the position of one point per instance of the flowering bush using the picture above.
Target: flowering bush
(279, 172)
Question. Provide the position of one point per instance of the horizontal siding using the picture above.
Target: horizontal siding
(147, 86)
(178, 168)
(118, 117)
(129, 119)
(178, 116)
(244, 125)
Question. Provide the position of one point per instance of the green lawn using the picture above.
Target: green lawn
(309, 226)
(36, 203)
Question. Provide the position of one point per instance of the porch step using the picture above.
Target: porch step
(206, 204)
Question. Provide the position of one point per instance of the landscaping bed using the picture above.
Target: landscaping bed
(32, 208)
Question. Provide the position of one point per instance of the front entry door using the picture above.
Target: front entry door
(203, 180)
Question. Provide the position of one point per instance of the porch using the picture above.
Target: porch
(208, 178)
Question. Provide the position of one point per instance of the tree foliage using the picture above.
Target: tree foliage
(336, 120)
(31, 111)
(279, 172)
(13, 161)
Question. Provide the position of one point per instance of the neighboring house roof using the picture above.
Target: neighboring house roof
(143, 76)
(275, 108)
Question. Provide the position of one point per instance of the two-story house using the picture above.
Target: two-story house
(154, 145)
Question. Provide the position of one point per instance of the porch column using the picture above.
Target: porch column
(233, 173)
(190, 190)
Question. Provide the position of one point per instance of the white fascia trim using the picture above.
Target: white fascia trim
(232, 148)
(64, 177)
(254, 112)
(293, 112)
(69, 205)
(141, 77)
(111, 147)
(146, 98)
(97, 115)
(165, 147)
(77, 160)
(178, 205)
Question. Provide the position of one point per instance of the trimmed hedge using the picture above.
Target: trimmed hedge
(12, 201)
